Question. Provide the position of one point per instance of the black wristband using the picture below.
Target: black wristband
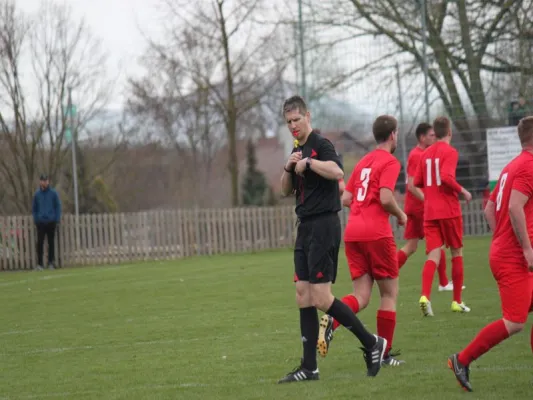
(287, 170)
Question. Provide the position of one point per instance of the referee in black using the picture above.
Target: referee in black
(312, 173)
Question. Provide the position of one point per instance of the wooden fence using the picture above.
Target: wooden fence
(169, 234)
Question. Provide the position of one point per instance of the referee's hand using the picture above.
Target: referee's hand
(293, 159)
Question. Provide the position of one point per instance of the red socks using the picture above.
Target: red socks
(486, 339)
(443, 278)
(350, 301)
(457, 278)
(402, 258)
(386, 322)
(427, 277)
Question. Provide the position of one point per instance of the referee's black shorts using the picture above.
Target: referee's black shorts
(316, 251)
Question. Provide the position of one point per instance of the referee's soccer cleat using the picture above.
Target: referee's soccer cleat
(300, 374)
(390, 359)
(325, 335)
(425, 306)
(374, 356)
(462, 372)
(460, 307)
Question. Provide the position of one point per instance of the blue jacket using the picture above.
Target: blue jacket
(46, 206)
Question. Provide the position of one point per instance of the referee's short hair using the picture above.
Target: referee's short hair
(294, 103)
(383, 127)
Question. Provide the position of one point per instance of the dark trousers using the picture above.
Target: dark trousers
(48, 230)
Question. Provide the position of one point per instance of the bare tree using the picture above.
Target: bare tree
(226, 69)
(463, 42)
(52, 51)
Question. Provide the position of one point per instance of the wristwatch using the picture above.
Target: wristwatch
(308, 163)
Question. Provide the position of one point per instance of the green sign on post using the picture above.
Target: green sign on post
(70, 113)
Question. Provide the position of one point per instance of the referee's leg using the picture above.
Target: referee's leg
(308, 369)
(322, 260)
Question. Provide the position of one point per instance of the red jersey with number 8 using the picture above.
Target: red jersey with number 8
(436, 174)
(517, 175)
(368, 219)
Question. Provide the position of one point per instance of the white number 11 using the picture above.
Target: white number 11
(429, 164)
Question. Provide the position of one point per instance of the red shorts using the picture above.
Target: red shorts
(440, 232)
(414, 229)
(515, 284)
(377, 258)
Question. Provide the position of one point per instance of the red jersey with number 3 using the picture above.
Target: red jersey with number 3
(413, 206)
(517, 175)
(436, 175)
(368, 219)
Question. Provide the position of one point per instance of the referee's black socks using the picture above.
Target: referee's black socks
(345, 316)
(309, 329)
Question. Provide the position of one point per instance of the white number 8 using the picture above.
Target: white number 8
(365, 177)
(503, 179)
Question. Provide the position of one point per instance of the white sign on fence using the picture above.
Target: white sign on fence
(502, 146)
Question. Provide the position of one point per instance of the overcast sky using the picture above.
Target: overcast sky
(116, 23)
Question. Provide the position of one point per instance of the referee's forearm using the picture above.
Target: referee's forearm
(286, 184)
(327, 169)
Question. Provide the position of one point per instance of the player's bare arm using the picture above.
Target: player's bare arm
(490, 215)
(518, 220)
(342, 186)
(326, 169)
(347, 198)
(386, 197)
(413, 189)
(286, 177)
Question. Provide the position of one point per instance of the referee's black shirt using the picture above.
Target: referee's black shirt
(316, 195)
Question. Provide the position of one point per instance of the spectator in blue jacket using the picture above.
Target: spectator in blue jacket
(46, 215)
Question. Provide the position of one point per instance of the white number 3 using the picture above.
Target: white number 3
(503, 179)
(365, 177)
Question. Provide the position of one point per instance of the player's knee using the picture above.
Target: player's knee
(388, 290)
(410, 247)
(434, 255)
(456, 252)
(362, 300)
(513, 327)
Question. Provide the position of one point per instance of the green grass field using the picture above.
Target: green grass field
(226, 327)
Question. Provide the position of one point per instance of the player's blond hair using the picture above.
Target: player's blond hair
(442, 127)
(525, 130)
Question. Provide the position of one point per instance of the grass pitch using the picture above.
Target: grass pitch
(226, 327)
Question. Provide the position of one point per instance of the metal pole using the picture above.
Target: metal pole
(74, 165)
(296, 57)
(302, 50)
(424, 57)
(401, 122)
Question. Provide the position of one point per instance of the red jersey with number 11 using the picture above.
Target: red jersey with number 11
(436, 174)
(368, 219)
(517, 175)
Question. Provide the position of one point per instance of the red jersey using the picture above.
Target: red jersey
(412, 205)
(368, 219)
(517, 175)
(436, 174)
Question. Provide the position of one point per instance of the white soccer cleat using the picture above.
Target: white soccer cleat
(448, 287)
